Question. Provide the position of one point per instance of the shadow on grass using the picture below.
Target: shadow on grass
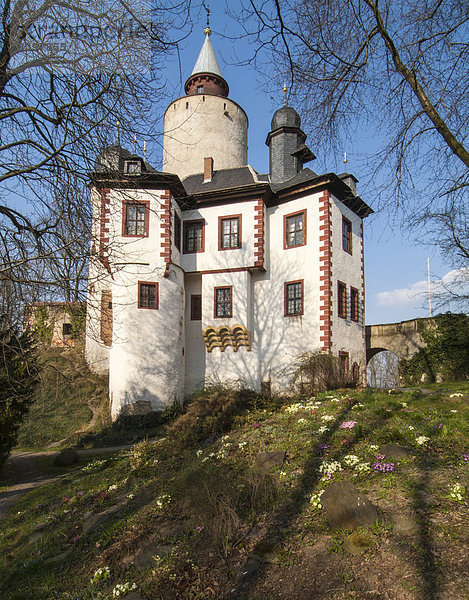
(127, 429)
(298, 499)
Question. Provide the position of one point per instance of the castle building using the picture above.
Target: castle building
(212, 272)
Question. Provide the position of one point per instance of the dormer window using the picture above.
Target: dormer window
(133, 167)
(200, 89)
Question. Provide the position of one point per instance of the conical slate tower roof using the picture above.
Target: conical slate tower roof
(207, 61)
(206, 77)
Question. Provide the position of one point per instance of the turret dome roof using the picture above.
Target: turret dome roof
(285, 117)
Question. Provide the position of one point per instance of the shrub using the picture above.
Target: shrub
(43, 327)
(18, 378)
(446, 351)
(209, 413)
(318, 372)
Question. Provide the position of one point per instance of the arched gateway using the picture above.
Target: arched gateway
(404, 339)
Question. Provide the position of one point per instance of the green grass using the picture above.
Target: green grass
(198, 496)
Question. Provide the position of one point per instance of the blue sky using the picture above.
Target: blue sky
(396, 268)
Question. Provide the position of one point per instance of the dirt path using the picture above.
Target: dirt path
(22, 473)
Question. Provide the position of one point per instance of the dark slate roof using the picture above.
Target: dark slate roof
(301, 177)
(222, 179)
(112, 159)
(285, 117)
(338, 186)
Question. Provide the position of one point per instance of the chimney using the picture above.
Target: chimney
(208, 169)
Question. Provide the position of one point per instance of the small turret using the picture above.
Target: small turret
(286, 141)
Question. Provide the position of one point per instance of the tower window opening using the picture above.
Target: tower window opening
(200, 89)
(187, 104)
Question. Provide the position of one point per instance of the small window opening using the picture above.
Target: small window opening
(133, 167)
(200, 89)
(67, 329)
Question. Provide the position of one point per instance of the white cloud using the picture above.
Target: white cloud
(457, 281)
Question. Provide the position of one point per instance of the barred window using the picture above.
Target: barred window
(293, 298)
(223, 302)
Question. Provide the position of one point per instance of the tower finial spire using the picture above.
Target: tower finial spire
(345, 161)
(118, 135)
(207, 29)
(285, 92)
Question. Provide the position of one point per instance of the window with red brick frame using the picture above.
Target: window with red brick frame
(223, 302)
(229, 232)
(294, 230)
(196, 307)
(193, 236)
(148, 295)
(354, 311)
(341, 300)
(294, 298)
(135, 219)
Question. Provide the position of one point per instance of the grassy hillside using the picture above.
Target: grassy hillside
(197, 515)
(66, 400)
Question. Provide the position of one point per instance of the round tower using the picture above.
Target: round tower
(204, 123)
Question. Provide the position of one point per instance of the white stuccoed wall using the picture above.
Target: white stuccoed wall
(230, 366)
(195, 353)
(347, 335)
(216, 126)
(212, 258)
(146, 361)
(280, 340)
(96, 353)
